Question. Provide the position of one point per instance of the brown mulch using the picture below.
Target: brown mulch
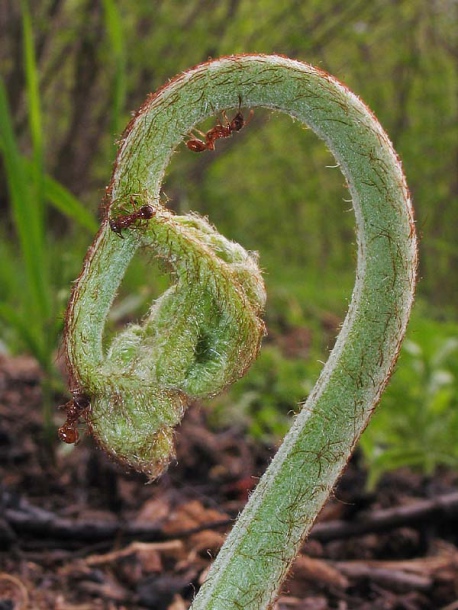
(78, 533)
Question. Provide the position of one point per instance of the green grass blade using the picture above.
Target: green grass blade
(36, 207)
(64, 201)
(115, 34)
(35, 121)
(33, 93)
(24, 212)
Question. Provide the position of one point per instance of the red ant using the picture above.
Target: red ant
(219, 131)
(126, 220)
(74, 408)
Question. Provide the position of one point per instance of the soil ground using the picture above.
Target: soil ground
(78, 533)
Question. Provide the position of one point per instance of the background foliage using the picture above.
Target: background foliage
(72, 70)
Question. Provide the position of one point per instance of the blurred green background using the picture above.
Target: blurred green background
(71, 73)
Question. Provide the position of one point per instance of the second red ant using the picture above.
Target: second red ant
(74, 408)
(219, 131)
(124, 221)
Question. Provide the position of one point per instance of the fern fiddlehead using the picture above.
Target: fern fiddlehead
(139, 386)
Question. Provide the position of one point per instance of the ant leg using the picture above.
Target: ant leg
(250, 116)
(239, 114)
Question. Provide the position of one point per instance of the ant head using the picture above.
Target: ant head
(81, 401)
(146, 211)
(237, 122)
(114, 227)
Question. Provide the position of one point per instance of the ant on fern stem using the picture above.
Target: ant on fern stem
(74, 408)
(124, 221)
(220, 130)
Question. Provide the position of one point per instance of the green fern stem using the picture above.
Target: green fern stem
(195, 331)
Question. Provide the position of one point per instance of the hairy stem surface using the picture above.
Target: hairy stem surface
(267, 536)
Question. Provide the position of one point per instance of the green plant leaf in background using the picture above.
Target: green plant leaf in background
(416, 424)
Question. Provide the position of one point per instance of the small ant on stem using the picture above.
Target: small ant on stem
(74, 408)
(219, 131)
(124, 221)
